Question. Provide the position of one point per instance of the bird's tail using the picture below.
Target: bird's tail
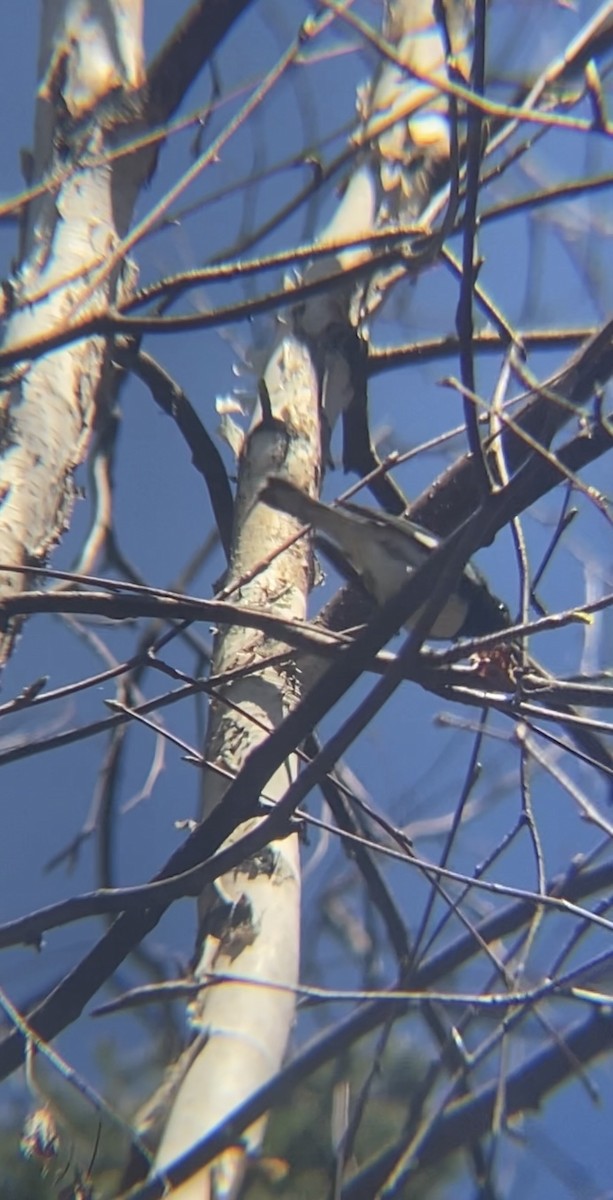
(286, 497)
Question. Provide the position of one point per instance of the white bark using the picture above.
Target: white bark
(405, 143)
(251, 920)
(90, 65)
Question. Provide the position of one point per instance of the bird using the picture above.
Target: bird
(383, 550)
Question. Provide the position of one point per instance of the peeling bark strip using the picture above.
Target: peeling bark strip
(90, 73)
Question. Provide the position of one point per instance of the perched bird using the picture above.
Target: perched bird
(382, 549)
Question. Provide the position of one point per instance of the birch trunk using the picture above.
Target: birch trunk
(250, 921)
(90, 73)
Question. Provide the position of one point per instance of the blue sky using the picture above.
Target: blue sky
(554, 269)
